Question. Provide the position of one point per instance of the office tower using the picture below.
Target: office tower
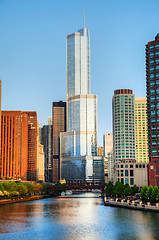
(59, 125)
(123, 125)
(110, 166)
(19, 145)
(0, 113)
(152, 82)
(79, 143)
(100, 151)
(141, 129)
(40, 157)
(107, 143)
(45, 135)
(32, 145)
(14, 145)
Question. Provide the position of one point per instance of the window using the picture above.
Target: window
(131, 166)
(126, 173)
(122, 180)
(152, 113)
(151, 46)
(143, 165)
(139, 165)
(152, 91)
(121, 166)
(126, 180)
(131, 173)
(136, 165)
(151, 61)
(152, 106)
(131, 181)
(126, 166)
(151, 76)
(151, 54)
(152, 69)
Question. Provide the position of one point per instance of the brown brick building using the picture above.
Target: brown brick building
(18, 145)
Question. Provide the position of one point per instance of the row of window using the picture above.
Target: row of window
(126, 181)
(152, 61)
(151, 46)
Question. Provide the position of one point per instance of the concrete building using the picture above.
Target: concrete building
(132, 173)
(59, 125)
(100, 151)
(152, 82)
(110, 166)
(123, 125)
(107, 143)
(79, 143)
(40, 157)
(141, 129)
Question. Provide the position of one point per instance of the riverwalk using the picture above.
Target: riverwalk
(35, 197)
(132, 205)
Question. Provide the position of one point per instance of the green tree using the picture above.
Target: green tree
(10, 186)
(143, 193)
(127, 190)
(109, 189)
(119, 189)
(149, 192)
(30, 188)
(134, 189)
(1, 187)
(155, 193)
(22, 189)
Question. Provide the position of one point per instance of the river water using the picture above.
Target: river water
(78, 217)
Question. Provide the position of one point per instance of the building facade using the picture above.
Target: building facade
(45, 137)
(123, 125)
(141, 129)
(79, 144)
(18, 145)
(132, 173)
(107, 143)
(110, 166)
(59, 125)
(152, 84)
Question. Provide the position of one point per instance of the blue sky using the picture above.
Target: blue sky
(33, 51)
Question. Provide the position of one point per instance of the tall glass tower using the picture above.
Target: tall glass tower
(79, 144)
(81, 135)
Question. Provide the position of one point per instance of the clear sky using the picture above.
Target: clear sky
(33, 51)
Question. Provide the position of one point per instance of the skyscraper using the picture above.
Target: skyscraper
(123, 125)
(141, 130)
(152, 82)
(58, 125)
(79, 143)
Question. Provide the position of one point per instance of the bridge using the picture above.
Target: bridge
(75, 187)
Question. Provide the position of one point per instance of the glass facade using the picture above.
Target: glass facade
(80, 140)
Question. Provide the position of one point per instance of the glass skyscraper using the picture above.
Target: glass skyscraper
(79, 143)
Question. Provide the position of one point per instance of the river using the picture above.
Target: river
(78, 217)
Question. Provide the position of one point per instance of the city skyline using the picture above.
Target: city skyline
(33, 52)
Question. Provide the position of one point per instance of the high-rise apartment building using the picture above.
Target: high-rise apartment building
(123, 125)
(79, 143)
(107, 143)
(141, 129)
(59, 125)
(0, 113)
(152, 82)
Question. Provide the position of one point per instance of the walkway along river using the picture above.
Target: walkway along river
(77, 217)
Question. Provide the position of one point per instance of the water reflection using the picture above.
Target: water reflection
(75, 218)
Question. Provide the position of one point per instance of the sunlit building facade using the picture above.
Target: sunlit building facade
(79, 143)
(141, 129)
(152, 82)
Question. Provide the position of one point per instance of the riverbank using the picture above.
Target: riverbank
(132, 206)
(37, 197)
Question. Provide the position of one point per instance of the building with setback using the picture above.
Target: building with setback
(79, 143)
(152, 86)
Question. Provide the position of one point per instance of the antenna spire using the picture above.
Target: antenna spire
(84, 16)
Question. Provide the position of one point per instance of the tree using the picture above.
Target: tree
(149, 192)
(22, 189)
(127, 190)
(119, 189)
(143, 193)
(10, 186)
(155, 193)
(109, 189)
